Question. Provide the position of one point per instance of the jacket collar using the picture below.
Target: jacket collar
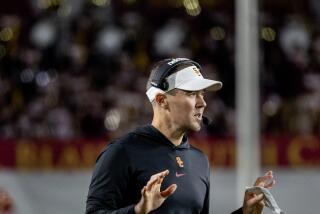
(163, 139)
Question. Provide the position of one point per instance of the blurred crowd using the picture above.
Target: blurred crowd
(79, 68)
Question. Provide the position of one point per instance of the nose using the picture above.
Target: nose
(201, 103)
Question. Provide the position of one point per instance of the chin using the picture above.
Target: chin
(196, 127)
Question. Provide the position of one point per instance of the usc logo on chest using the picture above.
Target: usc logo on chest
(179, 161)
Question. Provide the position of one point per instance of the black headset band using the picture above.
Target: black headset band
(165, 68)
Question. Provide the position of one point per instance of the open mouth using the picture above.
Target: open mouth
(198, 116)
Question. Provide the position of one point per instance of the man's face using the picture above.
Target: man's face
(186, 109)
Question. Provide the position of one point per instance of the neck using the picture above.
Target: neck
(169, 130)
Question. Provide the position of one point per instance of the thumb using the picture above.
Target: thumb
(169, 191)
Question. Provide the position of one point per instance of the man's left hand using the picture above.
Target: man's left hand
(253, 203)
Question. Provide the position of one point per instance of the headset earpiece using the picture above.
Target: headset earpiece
(164, 85)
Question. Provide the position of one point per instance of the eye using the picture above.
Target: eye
(191, 93)
(202, 94)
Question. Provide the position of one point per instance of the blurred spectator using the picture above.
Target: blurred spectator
(72, 68)
(6, 202)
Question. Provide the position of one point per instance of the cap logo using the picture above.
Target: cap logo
(196, 71)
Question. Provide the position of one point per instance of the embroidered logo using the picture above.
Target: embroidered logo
(179, 161)
(196, 71)
(180, 174)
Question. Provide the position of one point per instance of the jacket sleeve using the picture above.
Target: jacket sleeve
(205, 209)
(238, 211)
(206, 204)
(109, 183)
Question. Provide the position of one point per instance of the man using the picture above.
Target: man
(154, 169)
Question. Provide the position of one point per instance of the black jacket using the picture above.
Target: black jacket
(126, 165)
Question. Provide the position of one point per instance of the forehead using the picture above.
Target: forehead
(183, 93)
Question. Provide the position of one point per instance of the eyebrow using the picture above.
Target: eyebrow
(201, 91)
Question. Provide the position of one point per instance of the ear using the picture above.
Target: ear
(161, 100)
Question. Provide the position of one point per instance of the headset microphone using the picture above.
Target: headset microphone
(206, 121)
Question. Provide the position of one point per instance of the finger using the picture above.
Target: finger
(169, 191)
(161, 174)
(248, 195)
(259, 207)
(164, 173)
(152, 182)
(254, 200)
(143, 191)
(269, 173)
(160, 180)
(264, 180)
(271, 184)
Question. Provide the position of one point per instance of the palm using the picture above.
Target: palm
(152, 198)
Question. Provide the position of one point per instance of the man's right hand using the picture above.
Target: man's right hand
(152, 198)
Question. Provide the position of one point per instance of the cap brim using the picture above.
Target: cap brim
(201, 84)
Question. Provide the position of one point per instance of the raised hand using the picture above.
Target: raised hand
(253, 204)
(266, 180)
(151, 196)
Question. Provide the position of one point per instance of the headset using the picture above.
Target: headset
(164, 69)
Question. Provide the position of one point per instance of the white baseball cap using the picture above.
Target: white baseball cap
(189, 79)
